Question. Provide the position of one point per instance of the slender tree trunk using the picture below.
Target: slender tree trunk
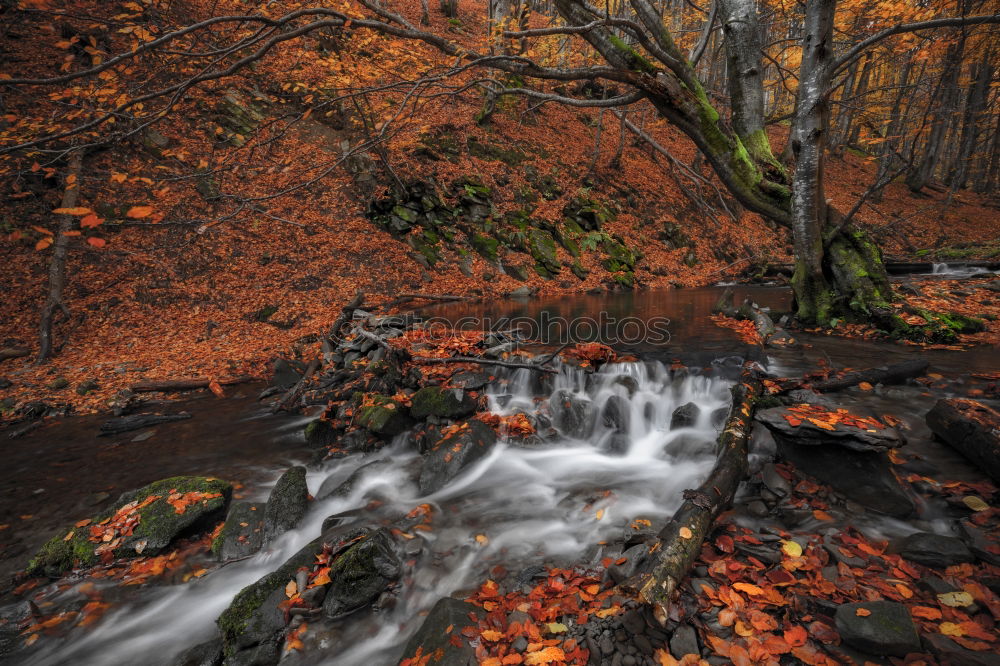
(891, 138)
(987, 181)
(814, 298)
(974, 107)
(860, 90)
(57, 267)
(839, 136)
(924, 171)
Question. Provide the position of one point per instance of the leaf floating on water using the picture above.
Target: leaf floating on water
(975, 503)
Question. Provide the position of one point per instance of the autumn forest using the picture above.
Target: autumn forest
(416, 332)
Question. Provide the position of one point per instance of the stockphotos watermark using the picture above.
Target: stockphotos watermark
(555, 330)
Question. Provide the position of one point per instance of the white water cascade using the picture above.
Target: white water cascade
(544, 502)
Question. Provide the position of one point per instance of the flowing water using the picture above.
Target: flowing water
(528, 504)
(546, 503)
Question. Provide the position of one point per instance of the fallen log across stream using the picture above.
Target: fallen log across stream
(677, 545)
(972, 429)
(897, 373)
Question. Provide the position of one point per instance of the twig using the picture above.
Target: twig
(484, 361)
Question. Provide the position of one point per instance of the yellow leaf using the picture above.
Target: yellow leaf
(482, 539)
(291, 589)
(975, 503)
(600, 513)
(546, 656)
(492, 635)
(557, 628)
(73, 211)
(951, 629)
(685, 533)
(791, 549)
(748, 588)
(118, 177)
(862, 612)
(865, 386)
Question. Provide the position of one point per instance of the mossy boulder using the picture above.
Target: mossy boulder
(287, 504)
(488, 151)
(243, 532)
(361, 574)
(447, 403)
(381, 415)
(320, 433)
(142, 522)
(485, 245)
(253, 619)
(542, 248)
(588, 213)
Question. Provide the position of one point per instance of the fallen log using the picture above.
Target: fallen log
(972, 429)
(136, 421)
(194, 383)
(897, 373)
(13, 352)
(679, 542)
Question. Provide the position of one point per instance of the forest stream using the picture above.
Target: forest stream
(572, 499)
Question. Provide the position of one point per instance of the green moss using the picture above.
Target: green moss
(509, 156)
(542, 247)
(636, 61)
(384, 416)
(58, 555)
(236, 618)
(486, 246)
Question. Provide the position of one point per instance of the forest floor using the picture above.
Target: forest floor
(187, 288)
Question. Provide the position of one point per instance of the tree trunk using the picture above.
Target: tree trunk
(974, 107)
(746, 77)
(890, 141)
(924, 171)
(57, 267)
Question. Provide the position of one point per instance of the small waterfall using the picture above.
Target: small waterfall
(607, 450)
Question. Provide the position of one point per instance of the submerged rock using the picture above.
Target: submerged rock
(142, 522)
(808, 433)
(243, 533)
(136, 421)
(288, 502)
(208, 653)
(441, 402)
(433, 636)
(935, 550)
(465, 444)
(615, 414)
(887, 629)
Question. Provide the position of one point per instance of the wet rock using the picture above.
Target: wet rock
(684, 416)
(433, 635)
(447, 457)
(203, 654)
(631, 384)
(470, 380)
(758, 508)
(361, 574)
(382, 416)
(684, 641)
(934, 586)
(522, 292)
(979, 543)
(441, 402)
(287, 373)
(253, 624)
(288, 502)
(718, 417)
(243, 533)
(934, 550)
(13, 619)
(137, 421)
(615, 414)
(887, 630)
(950, 652)
(571, 414)
(865, 478)
(158, 524)
(774, 481)
(619, 444)
(320, 433)
(809, 434)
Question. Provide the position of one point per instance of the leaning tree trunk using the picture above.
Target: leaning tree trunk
(57, 267)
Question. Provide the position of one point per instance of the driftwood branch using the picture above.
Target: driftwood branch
(194, 383)
(896, 373)
(679, 542)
